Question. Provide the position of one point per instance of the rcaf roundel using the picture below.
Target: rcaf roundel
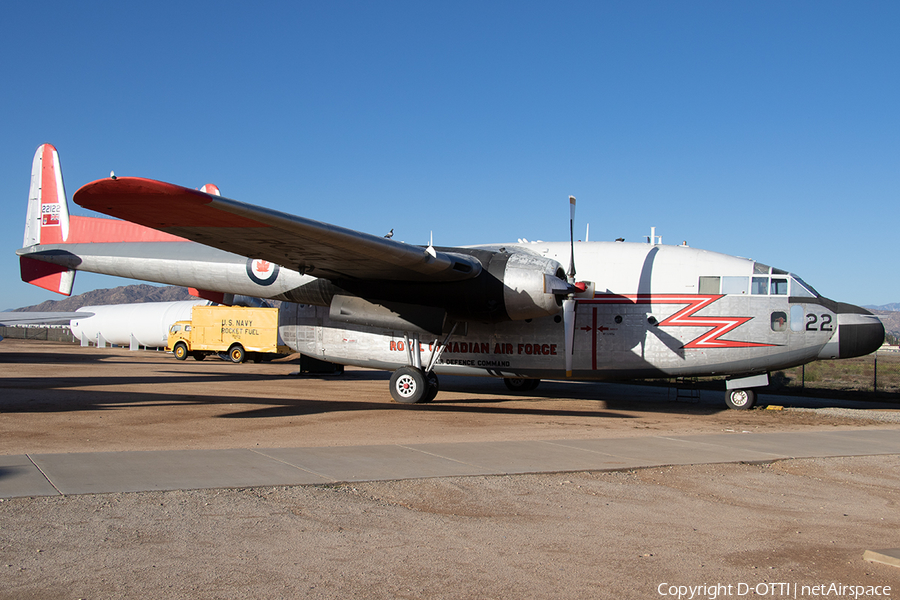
(262, 271)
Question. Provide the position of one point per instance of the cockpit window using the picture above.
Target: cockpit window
(779, 286)
(734, 285)
(760, 269)
(802, 289)
(760, 286)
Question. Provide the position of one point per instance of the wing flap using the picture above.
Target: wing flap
(297, 243)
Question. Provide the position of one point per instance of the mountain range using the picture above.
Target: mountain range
(125, 294)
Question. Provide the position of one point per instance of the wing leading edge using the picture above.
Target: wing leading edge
(308, 246)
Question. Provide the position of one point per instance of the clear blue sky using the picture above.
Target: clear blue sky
(762, 129)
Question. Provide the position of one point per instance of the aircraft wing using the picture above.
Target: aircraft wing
(293, 242)
(40, 318)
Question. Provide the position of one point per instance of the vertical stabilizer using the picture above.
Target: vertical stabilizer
(46, 221)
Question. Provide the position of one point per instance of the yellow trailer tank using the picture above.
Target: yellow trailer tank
(239, 331)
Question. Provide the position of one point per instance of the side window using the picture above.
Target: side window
(187, 328)
(779, 321)
(797, 317)
(799, 290)
(734, 285)
(760, 286)
(779, 287)
(709, 285)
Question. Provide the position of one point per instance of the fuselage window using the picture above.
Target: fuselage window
(779, 321)
(797, 319)
(760, 286)
(779, 287)
(709, 285)
(734, 285)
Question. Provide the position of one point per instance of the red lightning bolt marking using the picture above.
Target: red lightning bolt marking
(684, 317)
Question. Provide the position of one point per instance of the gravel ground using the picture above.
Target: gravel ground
(575, 535)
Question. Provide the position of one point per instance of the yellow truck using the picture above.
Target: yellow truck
(238, 331)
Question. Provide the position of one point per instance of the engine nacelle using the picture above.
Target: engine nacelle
(529, 282)
(511, 286)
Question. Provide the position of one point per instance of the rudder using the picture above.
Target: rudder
(46, 221)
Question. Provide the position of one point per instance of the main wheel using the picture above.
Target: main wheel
(409, 385)
(740, 399)
(236, 353)
(433, 386)
(520, 384)
(180, 351)
(199, 355)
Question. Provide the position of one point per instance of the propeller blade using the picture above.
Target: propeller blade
(571, 273)
(569, 322)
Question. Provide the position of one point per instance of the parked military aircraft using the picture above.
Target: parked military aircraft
(511, 310)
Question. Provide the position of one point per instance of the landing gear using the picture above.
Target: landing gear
(411, 385)
(739, 399)
(520, 384)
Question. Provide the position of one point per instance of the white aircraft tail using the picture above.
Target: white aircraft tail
(46, 222)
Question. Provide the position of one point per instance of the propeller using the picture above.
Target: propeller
(568, 303)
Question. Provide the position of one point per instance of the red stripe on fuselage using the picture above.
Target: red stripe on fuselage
(84, 230)
(719, 326)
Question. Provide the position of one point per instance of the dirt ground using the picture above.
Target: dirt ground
(574, 535)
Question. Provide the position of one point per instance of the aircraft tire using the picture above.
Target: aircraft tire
(236, 354)
(433, 386)
(409, 385)
(520, 384)
(740, 399)
(180, 351)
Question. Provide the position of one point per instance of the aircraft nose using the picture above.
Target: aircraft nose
(858, 333)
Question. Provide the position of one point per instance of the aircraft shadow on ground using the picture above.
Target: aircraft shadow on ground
(480, 395)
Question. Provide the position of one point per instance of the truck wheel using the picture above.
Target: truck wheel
(199, 355)
(236, 353)
(180, 351)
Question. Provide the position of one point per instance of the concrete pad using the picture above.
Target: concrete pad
(807, 444)
(51, 474)
(19, 477)
(99, 472)
(369, 463)
(890, 556)
(526, 457)
(667, 451)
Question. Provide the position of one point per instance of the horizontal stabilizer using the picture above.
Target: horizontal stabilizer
(55, 278)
